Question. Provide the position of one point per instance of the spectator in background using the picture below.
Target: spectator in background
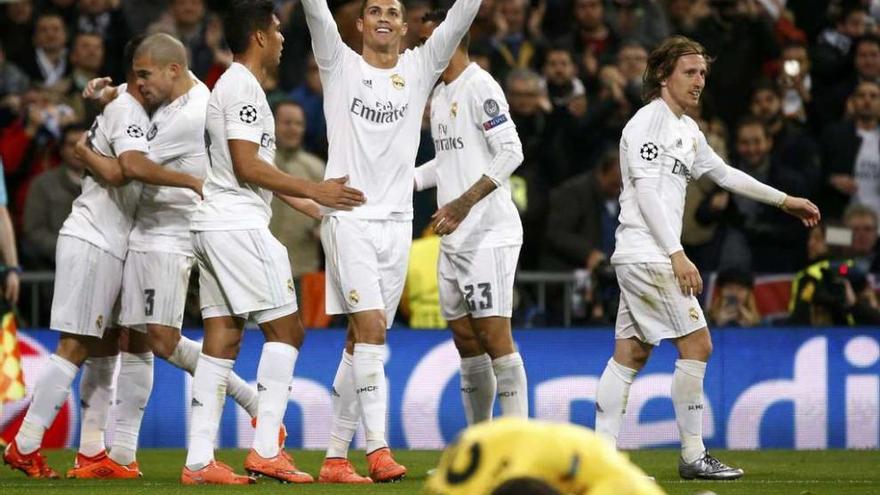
(86, 63)
(518, 42)
(862, 221)
(49, 201)
(415, 11)
(582, 218)
(296, 231)
(796, 83)
(851, 154)
(11, 269)
(18, 31)
(684, 15)
(733, 302)
(831, 106)
(13, 81)
(187, 21)
(831, 51)
(310, 96)
(644, 21)
(592, 41)
(105, 18)
(46, 63)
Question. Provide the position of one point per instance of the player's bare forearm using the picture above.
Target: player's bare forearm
(450, 215)
(7, 238)
(104, 168)
(303, 205)
(136, 166)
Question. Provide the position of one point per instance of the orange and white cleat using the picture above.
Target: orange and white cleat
(280, 467)
(215, 473)
(34, 465)
(106, 469)
(339, 470)
(383, 467)
(282, 433)
(83, 460)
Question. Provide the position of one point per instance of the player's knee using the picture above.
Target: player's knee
(72, 348)
(467, 345)
(370, 329)
(162, 346)
(497, 342)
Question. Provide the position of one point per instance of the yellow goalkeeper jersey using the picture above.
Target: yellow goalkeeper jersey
(570, 458)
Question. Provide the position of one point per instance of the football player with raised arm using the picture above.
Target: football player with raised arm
(661, 150)
(373, 104)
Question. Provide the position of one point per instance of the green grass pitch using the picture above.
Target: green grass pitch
(767, 472)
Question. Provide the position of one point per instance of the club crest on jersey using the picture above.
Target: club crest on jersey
(99, 322)
(152, 132)
(397, 81)
(453, 110)
(694, 314)
(134, 131)
(248, 114)
(354, 297)
(649, 151)
(491, 107)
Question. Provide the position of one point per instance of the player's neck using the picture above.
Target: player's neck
(253, 64)
(457, 64)
(131, 88)
(381, 59)
(677, 109)
(866, 124)
(182, 86)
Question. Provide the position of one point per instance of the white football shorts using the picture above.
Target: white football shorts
(87, 284)
(478, 283)
(652, 306)
(366, 264)
(243, 273)
(154, 288)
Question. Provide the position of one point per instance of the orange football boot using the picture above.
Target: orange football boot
(383, 467)
(215, 473)
(83, 460)
(339, 470)
(280, 467)
(33, 465)
(106, 469)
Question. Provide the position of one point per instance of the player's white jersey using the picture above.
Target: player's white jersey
(176, 140)
(237, 109)
(374, 115)
(657, 143)
(102, 214)
(464, 114)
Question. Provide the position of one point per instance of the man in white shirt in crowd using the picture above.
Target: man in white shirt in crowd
(477, 149)
(661, 150)
(373, 106)
(244, 272)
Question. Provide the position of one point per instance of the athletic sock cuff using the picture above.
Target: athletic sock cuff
(622, 372)
(65, 366)
(511, 360)
(476, 364)
(691, 367)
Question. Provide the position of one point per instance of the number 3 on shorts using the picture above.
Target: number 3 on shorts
(149, 296)
(485, 294)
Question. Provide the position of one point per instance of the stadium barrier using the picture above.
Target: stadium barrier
(765, 388)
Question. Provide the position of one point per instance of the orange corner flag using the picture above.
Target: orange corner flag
(11, 378)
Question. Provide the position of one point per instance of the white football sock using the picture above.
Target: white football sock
(186, 356)
(95, 396)
(274, 376)
(477, 388)
(687, 397)
(208, 395)
(372, 392)
(512, 387)
(50, 392)
(611, 397)
(346, 412)
(134, 385)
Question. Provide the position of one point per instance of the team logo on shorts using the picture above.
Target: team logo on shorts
(152, 132)
(99, 323)
(290, 285)
(354, 297)
(694, 314)
(453, 110)
(248, 114)
(649, 151)
(134, 131)
(397, 81)
(491, 107)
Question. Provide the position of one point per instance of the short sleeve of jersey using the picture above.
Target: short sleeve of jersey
(706, 159)
(242, 111)
(489, 107)
(643, 149)
(128, 125)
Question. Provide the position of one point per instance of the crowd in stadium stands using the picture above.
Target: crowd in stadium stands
(793, 99)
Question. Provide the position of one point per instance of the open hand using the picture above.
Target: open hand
(686, 274)
(802, 208)
(333, 193)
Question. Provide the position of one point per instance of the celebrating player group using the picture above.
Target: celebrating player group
(180, 175)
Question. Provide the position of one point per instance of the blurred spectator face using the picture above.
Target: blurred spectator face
(632, 60)
(864, 229)
(524, 96)
(514, 13)
(610, 181)
(816, 245)
(88, 52)
(20, 12)
(68, 145)
(559, 68)
(867, 60)
(313, 76)
(50, 34)
(752, 144)
(290, 126)
(866, 101)
(588, 14)
(487, 9)
(766, 104)
(734, 293)
(799, 55)
(854, 24)
(94, 7)
(414, 14)
(188, 12)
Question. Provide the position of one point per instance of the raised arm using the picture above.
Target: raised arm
(327, 44)
(444, 40)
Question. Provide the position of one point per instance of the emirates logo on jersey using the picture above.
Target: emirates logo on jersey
(679, 168)
(384, 113)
